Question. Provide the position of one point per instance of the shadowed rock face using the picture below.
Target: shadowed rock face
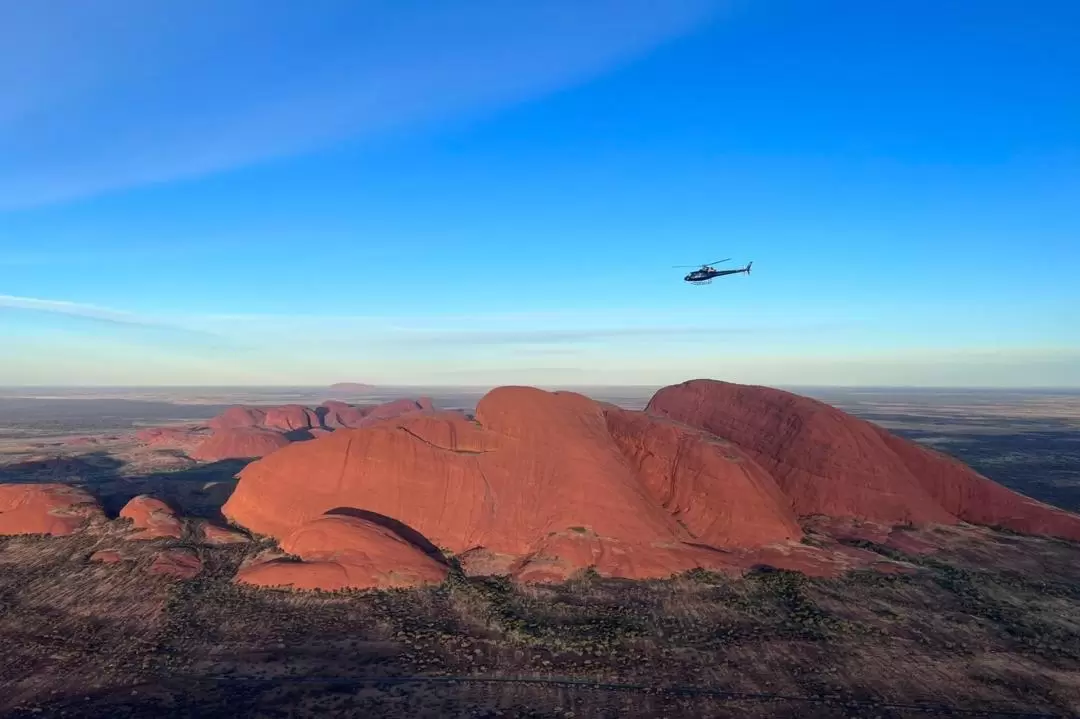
(833, 464)
(56, 509)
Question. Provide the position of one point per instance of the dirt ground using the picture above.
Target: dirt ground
(990, 624)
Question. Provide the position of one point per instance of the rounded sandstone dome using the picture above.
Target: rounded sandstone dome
(238, 443)
(349, 552)
(56, 509)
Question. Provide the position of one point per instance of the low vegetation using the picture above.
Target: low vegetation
(993, 623)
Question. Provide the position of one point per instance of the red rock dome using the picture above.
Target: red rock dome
(542, 485)
(152, 517)
(337, 415)
(238, 443)
(56, 509)
(238, 417)
(830, 463)
(289, 417)
(717, 492)
(347, 552)
(538, 484)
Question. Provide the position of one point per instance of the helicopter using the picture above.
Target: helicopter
(704, 275)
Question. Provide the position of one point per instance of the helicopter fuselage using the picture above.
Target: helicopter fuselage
(707, 273)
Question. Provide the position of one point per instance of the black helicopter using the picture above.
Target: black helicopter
(705, 274)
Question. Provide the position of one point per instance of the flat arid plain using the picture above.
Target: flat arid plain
(988, 625)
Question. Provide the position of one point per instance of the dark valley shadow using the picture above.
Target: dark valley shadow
(196, 491)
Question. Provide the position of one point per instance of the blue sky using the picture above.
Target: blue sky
(265, 191)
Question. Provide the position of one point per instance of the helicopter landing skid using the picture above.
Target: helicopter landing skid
(701, 282)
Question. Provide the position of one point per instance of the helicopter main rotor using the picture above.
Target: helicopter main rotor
(707, 264)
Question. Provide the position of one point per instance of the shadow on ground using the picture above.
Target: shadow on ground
(196, 491)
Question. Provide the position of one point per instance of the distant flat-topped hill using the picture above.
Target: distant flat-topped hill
(351, 387)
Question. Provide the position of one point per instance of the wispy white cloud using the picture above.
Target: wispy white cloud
(75, 309)
(98, 97)
(110, 316)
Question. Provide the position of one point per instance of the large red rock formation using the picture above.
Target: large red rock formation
(542, 485)
(152, 517)
(238, 417)
(346, 552)
(238, 443)
(538, 483)
(831, 463)
(826, 461)
(56, 509)
(397, 408)
(976, 499)
(720, 495)
(289, 417)
(337, 415)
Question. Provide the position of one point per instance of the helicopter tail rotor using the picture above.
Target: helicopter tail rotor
(748, 267)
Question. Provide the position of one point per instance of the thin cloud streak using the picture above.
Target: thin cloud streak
(213, 94)
(561, 336)
(74, 309)
(97, 313)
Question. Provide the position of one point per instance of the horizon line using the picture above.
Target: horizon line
(375, 388)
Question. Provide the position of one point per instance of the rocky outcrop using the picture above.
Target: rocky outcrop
(55, 509)
(831, 463)
(716, 491)
(218, 536)
(289, 417)
(238, 443)
(152, 518)
(539, 483)
(176, 564)
(349, 552)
